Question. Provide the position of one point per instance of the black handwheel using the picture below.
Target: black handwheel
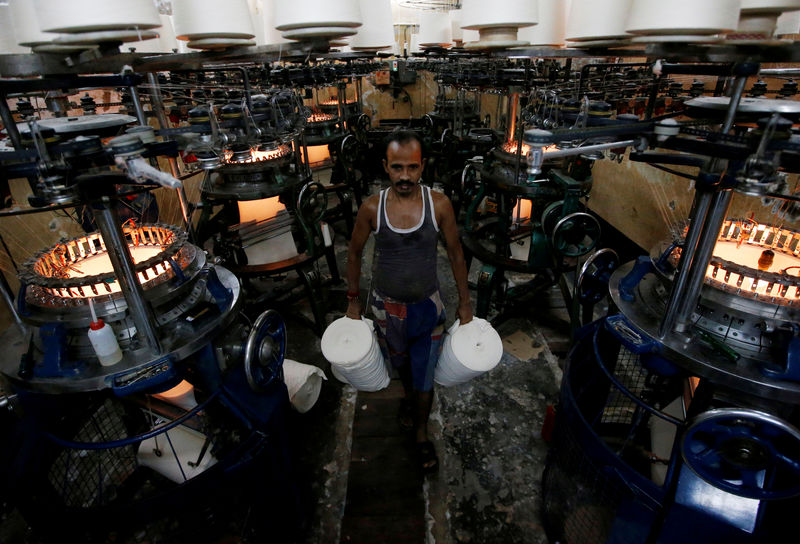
(265, 351)
(594, 275)
(576, 234)
(744, 452)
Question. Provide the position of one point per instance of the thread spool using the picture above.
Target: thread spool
(166, 41)
(591, 20)
(682, 17)
(203, 20)
(758, 19)
(377, 32)
(299, 14)
(788, 24)
(92, 16)
(8, 42)
(498, 22)
(25, 24)
(434, 29)
(552, 26)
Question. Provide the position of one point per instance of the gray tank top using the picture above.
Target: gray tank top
(406, 258)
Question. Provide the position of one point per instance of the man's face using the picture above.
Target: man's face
(404, 165)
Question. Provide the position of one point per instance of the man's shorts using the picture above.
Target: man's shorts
(411, 334)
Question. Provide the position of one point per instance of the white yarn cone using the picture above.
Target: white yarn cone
(304, 383)
(93, 16)
(469, 351)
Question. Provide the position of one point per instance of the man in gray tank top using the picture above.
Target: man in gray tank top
(406, 219)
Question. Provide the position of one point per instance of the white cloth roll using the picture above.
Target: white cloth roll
(93, 16)
(552, 24)
(351, 347)
(468, 351)
(187, 444)
(479, 14)
(304, 383)
(346, 341)
(434, 28)
(317, 13)
(656, 17)
(597, 19)
(202, 19)
(25, 24)
(377, 31)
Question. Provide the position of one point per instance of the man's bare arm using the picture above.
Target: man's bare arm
(361, 231)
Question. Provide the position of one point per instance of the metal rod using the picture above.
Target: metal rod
(720, 203)
(137, 105)
(120, 256)
(708, 215)
(156, 102)
(568, 152)
(8, 298)
(700, 207)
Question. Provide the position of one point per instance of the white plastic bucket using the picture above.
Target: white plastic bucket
(468, 351)
(351, 347)
(303, 382)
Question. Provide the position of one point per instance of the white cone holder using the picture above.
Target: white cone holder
(351, 347)
(304, 383)
(469, 351)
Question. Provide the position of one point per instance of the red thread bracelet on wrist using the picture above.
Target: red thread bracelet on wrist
(353, 295)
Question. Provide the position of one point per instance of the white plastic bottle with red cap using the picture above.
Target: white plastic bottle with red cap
(104, 340)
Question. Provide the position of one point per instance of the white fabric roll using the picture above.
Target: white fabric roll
(597, 19)
(377, 31)
(347, 341)
(93, 16)
(469, 351)
(8, 42)
(25, 24)
(296, 14)
(434, 28)
(187, 444)
(351, 347)
(202, 19)
(683, 16)
(552, 24)
(479, 14)
(304, 383)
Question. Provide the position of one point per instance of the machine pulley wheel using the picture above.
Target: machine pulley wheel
(576, 234)
(361, 127)
(312, 203)
(594, 275)
(745, 452)
(265, 350)
(551, 214)
(349, 149)
(427, 127)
